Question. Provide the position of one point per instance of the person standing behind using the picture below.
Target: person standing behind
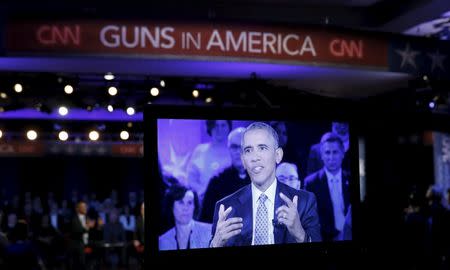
(315, 161)
(209, 159)
(287, 173)
(230, 180)
(331, 187)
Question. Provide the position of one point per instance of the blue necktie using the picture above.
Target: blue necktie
(262, 225)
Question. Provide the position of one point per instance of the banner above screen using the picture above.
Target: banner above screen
(316, 46)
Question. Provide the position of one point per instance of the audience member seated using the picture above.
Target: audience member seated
(187, 233)
(287, 173)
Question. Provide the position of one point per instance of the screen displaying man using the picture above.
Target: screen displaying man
(265, 211)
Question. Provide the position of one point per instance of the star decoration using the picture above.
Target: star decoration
(408, 56)
(176, 166)
(437, 60)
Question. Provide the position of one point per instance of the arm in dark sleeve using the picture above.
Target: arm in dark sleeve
(310, 220)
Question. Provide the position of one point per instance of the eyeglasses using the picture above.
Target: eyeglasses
(287, 178)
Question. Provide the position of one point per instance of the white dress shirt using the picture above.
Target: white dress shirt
(270, 204)
(83, 223)
(337, 199)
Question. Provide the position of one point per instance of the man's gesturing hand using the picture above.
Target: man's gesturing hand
(288, 215)
(226, 228)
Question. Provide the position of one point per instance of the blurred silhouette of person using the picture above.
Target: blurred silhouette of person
(128, 221)
(187, 233)
(287, 173)
(20, 253)
(114, 233)
(209, 159)
(331, 187)
(266, 211)
(290, 152)
(79, 236)
(139, 236)
(315, 162)
(229, 181)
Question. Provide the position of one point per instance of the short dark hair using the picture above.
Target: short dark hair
(330, 137)
(210, 124)
(174, 193)
(264, 126)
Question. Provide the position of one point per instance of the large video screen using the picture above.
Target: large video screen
(245, 182)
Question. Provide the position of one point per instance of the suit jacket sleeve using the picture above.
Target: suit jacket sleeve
(310, 220)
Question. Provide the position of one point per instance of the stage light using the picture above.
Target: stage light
(94, 135)
(124, 135)
(130, 111)
(63, 135)
(208, 100)
(130, 124)
(2, 109)
(18, 87)
(109, 76)
(432, 105)
(3, 95)
(154, 91)
(162, 83)
(112, 91)
(425, 77)
(32, 135)
(63, 111)
(195, 93)
(68, 89)
(1, 133)
(110, 108)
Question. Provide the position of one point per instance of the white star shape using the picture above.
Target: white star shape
(176, 166)
(408, 56)
(437, 60)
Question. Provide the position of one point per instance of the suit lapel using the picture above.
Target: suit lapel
(345, 190)
(246, 213)
(278, 231)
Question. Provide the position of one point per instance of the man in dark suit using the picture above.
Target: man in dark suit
(227, 182)
(79, 235)
(265, 211)
(331, 187)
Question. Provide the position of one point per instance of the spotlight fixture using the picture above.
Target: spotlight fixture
(3, 95)
(94, 135)
(432, 105)
(154, 91)
(18, 88)
(1, 133)
(195, 93)
(110, 108)
(63, 135)
(130, 111)
(112, 90)
(162, 83)
(124, 135)
(208, 100)
(63, 111)
(68, 89)
(32, 135)
(109, 76)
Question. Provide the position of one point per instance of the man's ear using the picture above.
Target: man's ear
(279, 155)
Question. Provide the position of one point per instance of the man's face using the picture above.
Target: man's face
(260, 157)
(183, 210)
(220, 131)
(332, 156)
(82, 208)
(340, 128)
(288, 175)
(234, 146)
